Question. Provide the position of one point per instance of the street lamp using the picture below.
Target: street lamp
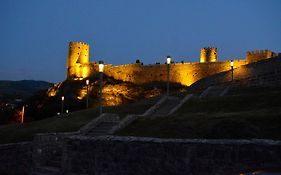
(62, 104)
(169, 59)
(101, 67)
(231, 65)
(87, 101)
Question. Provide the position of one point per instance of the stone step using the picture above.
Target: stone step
(214, 91)
(105, 125)
(102, 128)
(167, 106)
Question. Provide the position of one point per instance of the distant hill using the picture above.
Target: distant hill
(21, 89)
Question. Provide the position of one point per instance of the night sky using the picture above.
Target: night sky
(35, 34)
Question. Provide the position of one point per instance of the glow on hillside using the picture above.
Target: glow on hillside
(82, 93)
(53, 91)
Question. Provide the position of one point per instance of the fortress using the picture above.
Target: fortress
(79, 66)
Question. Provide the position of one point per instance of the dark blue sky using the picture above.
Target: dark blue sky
(35, 33)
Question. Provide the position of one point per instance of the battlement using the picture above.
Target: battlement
(78, 43)
(208, 54)
(209, 48)
(253, 56)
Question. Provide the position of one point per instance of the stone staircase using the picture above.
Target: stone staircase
(165, 108)
(215, 91)
(101, 126)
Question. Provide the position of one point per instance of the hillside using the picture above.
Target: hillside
(21, 89)
(67, 122)
(252, 112)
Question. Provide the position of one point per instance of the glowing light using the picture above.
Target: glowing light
(85, 71)
(231, 63)
(87, 82)
(22, 115)
(52, 91)
(62, 98)
(82, 93)
(101, 66)
(169, 59)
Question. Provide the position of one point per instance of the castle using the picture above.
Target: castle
(79, 66)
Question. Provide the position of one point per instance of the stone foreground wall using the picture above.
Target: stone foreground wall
(138, 156)
(15, 158)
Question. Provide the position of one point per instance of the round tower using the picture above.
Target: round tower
(78, 60)
(208, 54)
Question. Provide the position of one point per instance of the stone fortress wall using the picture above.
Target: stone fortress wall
(186, 74)
(259, 54)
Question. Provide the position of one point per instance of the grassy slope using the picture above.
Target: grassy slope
(244, 113)
(67, 122)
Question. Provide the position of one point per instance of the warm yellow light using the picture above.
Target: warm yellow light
(169, 59)
(84, 71)
(101, 66)
(231, 63)
(62, 98)
(82, 93)
(87, 82)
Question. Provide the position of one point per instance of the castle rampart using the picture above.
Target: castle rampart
(186, 74)
(257, 55)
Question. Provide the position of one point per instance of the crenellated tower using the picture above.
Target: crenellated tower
(208, 54)
(78, 64)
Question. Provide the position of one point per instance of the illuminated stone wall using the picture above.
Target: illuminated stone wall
(266, 72)
(79, 67)
(259, 55)
(185, 74)
(78, 64)
(208, 54)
